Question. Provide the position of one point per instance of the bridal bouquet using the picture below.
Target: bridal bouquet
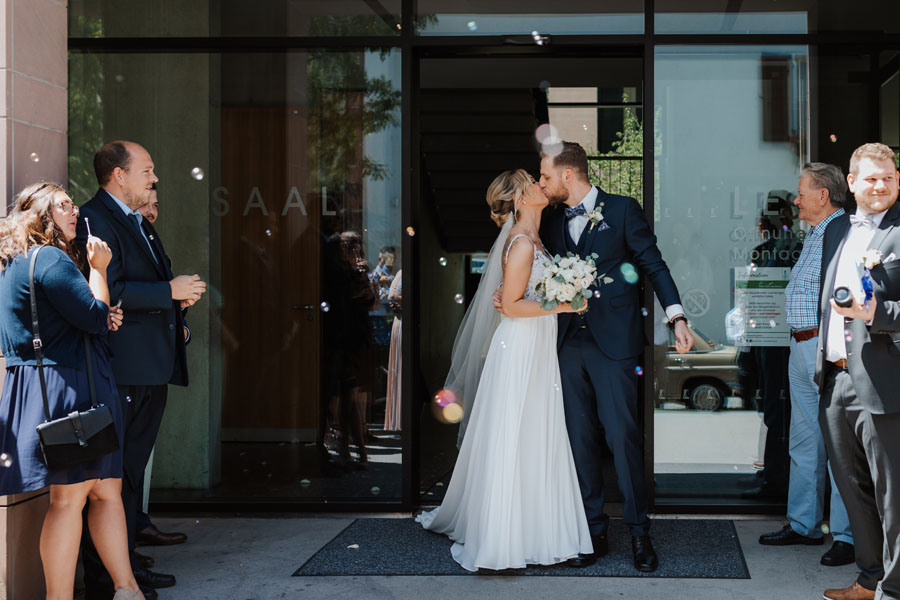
(568, 279)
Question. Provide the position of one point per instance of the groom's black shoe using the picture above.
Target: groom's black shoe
(601, 548)
(644, 556)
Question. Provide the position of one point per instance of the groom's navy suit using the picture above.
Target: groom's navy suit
(599, 351)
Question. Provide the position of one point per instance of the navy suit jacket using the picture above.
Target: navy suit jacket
(614, 318)
(148, 349)
(873, 351)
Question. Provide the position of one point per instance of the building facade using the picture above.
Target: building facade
(312, 155)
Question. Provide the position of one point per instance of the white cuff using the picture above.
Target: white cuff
(675, 309)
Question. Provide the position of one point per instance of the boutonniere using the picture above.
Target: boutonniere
(595, 217)
(871, 258)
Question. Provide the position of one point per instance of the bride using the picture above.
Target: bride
(513, 499)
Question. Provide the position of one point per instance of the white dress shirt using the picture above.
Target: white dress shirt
(849, 274)
(578, 224)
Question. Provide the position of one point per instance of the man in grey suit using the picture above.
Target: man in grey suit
(858, 369)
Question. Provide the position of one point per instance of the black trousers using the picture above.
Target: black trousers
(600, 395)
(143, 407)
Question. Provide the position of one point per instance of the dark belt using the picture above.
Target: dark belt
(840, 364)
(805, 334)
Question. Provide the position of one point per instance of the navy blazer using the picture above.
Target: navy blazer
(873, 351)
(148, 349)
(614, 318)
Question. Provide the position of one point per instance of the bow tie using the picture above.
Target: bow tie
(574, 212)
(862, 220)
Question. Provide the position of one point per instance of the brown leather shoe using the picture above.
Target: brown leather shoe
(151, 536)
(145, 561)
(854, 592)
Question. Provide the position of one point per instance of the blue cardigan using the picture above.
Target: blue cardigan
(66, 309)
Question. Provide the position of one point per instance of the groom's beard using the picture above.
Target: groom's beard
(558, 197)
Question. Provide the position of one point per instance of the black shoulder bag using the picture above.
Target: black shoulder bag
(78, 437)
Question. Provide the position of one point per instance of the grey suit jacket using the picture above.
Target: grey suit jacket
(873, 352)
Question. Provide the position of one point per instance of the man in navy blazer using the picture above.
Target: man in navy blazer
(148, 349)
(599, 350)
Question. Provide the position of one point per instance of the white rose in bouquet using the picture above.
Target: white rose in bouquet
(568, 280)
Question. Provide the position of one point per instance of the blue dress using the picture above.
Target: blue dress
(66, 310)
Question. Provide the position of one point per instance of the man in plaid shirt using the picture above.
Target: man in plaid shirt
(820, 196)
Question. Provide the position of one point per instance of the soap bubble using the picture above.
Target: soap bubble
(444, 398)
(410, 231)
(459, 298)
(546, 133)
(119, 78)
(305, 482)
(34, 157)
(442, 261)
(5, 460)
(325, 307)
(639, 370)
(596, 293)
(752, 268)
(544, 85)
(629, 273)
(772, 323)
(825, 528)
(644, 312)
(752, 323)
(375, 490)
(848, 336)
(268, 233)
(833, 138)
(452, 413)
(197, 173)
(472, 25)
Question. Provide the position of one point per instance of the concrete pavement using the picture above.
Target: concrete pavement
(253, 558)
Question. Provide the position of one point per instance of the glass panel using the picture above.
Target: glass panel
(732, 134)
(174, 18)
(279, 184)
(522, 17)
(764, 16)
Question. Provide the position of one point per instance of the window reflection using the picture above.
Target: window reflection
(498, 17)
(124, 18)
(296, 221)
(730, 392)
(763, 16)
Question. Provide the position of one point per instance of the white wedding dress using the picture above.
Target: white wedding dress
(513, 499)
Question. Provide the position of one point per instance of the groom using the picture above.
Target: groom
(599, 350)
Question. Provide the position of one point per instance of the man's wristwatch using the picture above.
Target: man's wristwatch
(676, 319)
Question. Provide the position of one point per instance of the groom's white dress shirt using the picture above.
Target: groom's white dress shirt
(856, 242)
(578, 223)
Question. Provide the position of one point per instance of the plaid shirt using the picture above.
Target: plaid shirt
(802, 293)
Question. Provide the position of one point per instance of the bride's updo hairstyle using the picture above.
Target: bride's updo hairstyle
(505, 191)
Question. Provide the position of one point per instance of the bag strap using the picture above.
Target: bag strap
(36, 341)
(38, 345)
(88, 351)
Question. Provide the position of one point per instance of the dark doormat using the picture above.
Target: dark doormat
(706, 549)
